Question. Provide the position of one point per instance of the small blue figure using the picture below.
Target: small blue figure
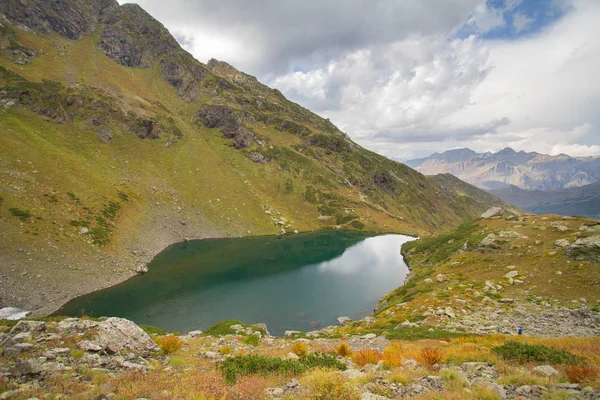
(520, 331)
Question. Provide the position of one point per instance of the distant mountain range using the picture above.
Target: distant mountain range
(535, 182)
(583, 201)
(530, 171)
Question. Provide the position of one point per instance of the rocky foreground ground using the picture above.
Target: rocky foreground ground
(113, 358)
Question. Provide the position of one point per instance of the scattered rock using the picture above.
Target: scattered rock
(592, 242)
(492, 212)
(257, 157)
(344, 320)
(511, 235)
(488, 240)
(511, 274)
(449, 312)
(545, 370)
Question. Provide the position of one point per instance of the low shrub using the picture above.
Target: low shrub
(484, 393)
(168, 344)
(222, 328)
(328, 385)
(258, 365)
(21, 214)
(176, 361)
(452, 379)
(523, 379)
(77, 354)
(522, 353)
(322, 360)
(399, 377)
(252, 340)
(430, 357)
(366, 356)
(392, 355)
(300, 348)
(225, 350)
(580, 373)
(343, 349)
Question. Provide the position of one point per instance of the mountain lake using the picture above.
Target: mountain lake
(296, 282)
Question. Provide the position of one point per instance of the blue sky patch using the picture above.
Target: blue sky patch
(512, 19)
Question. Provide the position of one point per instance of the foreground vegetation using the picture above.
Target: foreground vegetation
(463, 367)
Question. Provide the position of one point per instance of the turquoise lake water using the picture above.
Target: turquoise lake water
(297, 282)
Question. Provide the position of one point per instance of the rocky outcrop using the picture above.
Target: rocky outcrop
(543, 321)
(133, 38)
(230, 121)
(73, 19)
(34, 349)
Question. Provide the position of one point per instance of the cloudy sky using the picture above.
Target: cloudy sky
(407, 78)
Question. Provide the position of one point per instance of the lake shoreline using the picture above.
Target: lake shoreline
(324, 247)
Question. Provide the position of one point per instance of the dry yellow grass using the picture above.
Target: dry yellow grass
(343, 349)
(168, 344)
(366, 356)
(393, 355)
(430, 357)
(300, 348)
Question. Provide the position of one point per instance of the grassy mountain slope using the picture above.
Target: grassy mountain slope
(494, 275)
(584, 200)
(117, 143)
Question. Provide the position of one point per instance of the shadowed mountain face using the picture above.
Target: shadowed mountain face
(582, 201)
(116, 143)
(532, 171)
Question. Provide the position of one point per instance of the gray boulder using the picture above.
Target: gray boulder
(492, 212)
(545, 370)
(124, 334)
(592, 242)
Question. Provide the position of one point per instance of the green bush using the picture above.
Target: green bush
(322, 360)
(357, 225)
(252, 340)
(258, 365)
(224, 328)
(522, 353)
(261, 365)
(22, 215)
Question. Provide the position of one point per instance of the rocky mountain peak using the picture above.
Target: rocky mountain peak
(527, 170)
(133, 38)
(73, 19)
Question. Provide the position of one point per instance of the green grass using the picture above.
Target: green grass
(224, 328)
(422, 332)
(252, 340)
(322, 360)
(523, 353)
(153, 330)
(441, 247)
